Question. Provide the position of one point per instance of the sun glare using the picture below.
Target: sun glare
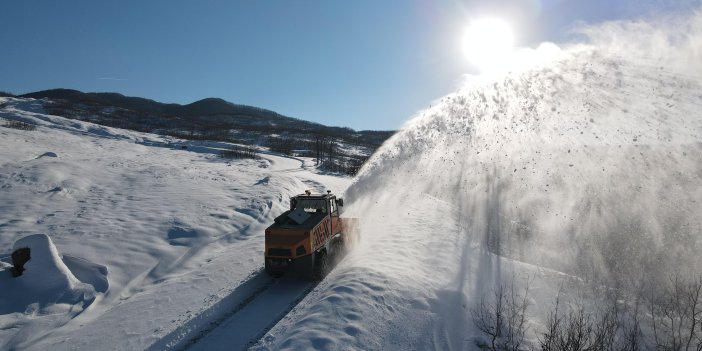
(488, 44)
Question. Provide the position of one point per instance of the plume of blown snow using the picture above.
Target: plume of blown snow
(588, 161)
(673, 42)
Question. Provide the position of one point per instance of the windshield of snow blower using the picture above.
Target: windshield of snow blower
(311, 205)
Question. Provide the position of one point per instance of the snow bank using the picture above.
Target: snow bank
(32, 111)
(47, 293)
(88, 272)
(45, 275)
(45, 282)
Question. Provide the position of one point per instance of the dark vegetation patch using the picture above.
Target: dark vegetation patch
(217, 119)
(19, 125)
(19, 258)
(240, 152)
(656, 317)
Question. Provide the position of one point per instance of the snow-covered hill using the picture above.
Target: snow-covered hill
(173, 231)
(217, 119)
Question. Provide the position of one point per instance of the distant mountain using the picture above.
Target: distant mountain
(202, 117)
(208, 106)
(338, 149)
(204, 107)
(133, 103)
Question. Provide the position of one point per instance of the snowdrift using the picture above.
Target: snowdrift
(46, 280)
(45, 273)
(46, 291)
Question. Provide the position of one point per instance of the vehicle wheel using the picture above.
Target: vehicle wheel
(321, 266)
(271, 272)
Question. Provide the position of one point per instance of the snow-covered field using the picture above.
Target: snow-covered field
(158, 234)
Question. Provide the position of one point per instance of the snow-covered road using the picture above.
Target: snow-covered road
(255, 315)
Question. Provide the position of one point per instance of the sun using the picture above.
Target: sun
(488, 44)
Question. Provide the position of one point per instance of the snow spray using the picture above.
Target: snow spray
(588, 162)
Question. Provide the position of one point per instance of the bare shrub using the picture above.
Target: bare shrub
(668, 319)
(672, 322)
(283, 145)
(628, 336)
(503, 319)
(676, 315)
(19, 125)
(240, 152)
(579, 330)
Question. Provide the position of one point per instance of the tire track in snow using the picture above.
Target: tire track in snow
(240, 319)
(245, 326)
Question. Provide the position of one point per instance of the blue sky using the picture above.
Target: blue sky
(366, 64)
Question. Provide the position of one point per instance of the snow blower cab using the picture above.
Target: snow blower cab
(303, 238)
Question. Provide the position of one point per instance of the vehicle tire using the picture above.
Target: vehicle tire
(321, 266)
(271, 272)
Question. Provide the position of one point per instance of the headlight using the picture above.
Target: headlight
(300, 250)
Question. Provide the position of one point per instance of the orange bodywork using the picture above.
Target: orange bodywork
(302, 237)
(287, 242)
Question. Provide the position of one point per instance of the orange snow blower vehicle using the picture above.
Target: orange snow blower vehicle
(305, 238)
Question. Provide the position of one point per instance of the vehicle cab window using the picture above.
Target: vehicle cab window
(334, 209)
(311, 205)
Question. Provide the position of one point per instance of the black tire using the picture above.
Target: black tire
(321, 266)
(271, 272)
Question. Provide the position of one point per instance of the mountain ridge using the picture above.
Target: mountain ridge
(217, 119)
(210, 106)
